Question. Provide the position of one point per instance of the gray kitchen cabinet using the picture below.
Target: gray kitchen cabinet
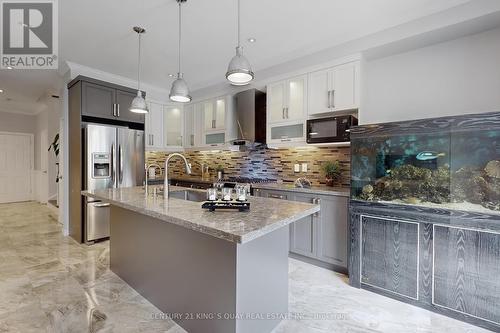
(321, 237)
(98, 101)
(333, 230)
(107, 101)
(275, 195)
(303, 233)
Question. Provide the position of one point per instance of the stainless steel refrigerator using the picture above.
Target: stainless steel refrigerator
(113, 158)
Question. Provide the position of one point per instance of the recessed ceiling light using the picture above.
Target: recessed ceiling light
(251, 40)
(1, 91)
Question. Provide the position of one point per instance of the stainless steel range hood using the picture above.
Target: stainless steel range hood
(251, 119)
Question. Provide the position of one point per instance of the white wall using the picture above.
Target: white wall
(47, 126)
(18, 123)
(451, 78)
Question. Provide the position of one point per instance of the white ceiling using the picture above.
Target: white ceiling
(23, 90)
(98, 34)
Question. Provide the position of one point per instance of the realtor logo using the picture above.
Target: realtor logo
(29, 34)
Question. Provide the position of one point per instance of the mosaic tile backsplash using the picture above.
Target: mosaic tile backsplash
(263, 163)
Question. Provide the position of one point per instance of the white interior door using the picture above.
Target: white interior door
(16, 160)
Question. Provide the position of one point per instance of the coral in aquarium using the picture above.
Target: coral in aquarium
(414, 185)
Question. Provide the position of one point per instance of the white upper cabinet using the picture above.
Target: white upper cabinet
(334, 89)
(154, 126)
(173, 124)
(296, 98)
(319, 92)
(345, 87)
(214, 114)
(164, 126)
(276, 102)
(189, 126)
(286, 100)
(209, 123)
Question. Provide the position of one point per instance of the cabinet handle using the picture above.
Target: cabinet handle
(283, 113)
(118, 109)
(329, 99)
(333, 99)
(287, 113)
(114, 110)
(152, 139)
(285, 138)
(275, 196)
(316, 201)
(192, 140)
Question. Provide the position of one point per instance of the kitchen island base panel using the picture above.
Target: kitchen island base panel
(205, 284)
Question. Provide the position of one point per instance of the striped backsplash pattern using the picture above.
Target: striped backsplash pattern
(263, 163)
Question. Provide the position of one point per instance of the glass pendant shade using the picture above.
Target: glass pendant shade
(139, 104)
(180, 91)
(239, 72)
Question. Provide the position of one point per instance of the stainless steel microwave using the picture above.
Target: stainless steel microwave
(330, 129)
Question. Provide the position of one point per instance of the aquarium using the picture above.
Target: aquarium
(451, 163)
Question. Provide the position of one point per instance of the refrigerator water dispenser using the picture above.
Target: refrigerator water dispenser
(101, 165)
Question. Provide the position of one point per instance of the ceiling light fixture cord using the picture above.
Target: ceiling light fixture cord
(180, 36)
(139, 65)
(239, 28)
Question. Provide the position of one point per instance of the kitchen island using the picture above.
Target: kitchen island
(212, 272)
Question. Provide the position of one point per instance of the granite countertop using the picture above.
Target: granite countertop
(326, 190)
(264, 216)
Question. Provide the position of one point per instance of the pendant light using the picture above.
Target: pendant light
(239, 72)
(139, 104)
(180, 91)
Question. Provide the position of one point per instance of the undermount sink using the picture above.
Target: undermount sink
(188, 195)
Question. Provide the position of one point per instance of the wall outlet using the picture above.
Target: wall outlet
(304, 167)
(296, 167)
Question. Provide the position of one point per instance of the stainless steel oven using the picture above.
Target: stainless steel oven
(330, 129)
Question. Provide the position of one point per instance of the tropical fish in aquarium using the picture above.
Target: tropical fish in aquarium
(429, 155)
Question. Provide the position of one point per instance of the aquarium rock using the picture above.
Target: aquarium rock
(492, 169)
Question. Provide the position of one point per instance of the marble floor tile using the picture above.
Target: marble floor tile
(49, 272)
(49, 283)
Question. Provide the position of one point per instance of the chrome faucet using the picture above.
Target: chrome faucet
(166, 182)
(146, 185)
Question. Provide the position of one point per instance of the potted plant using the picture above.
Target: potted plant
(332, 172)
(55, 147)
